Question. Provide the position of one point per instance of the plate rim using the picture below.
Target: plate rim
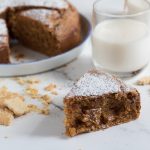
(89, 26)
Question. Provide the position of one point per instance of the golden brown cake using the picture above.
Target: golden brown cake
(99, 101)
(50, 27)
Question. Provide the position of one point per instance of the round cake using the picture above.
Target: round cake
(50, 27)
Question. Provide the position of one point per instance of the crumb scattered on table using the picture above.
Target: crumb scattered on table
(51, 87)
(144, 81)
(6, 117)
(19, 56)
(11, 105)
(23, 81)
(32, 92)
(33, 81)
(54, 93)
(45, 99)
(34, 108)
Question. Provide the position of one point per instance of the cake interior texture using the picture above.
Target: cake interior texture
(97, 112)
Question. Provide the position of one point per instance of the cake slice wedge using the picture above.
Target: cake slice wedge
(99, 101)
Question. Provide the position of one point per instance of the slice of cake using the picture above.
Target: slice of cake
(4, 43)
(98, 101)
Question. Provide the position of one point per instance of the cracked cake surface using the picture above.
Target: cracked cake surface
(97, 101)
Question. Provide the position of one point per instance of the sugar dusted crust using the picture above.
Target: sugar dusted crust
(96, 83)
(99, 101)
(61, 4)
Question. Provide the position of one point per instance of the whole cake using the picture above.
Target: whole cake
(98, 101)
(50, 27)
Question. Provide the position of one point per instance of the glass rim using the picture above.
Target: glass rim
(107, 14)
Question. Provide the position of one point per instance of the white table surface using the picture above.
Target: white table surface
(38, 132)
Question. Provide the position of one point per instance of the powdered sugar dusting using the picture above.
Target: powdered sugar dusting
(3, 28)
(45, 16)
(96, 83)
(61, 4)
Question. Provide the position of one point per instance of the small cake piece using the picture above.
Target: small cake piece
(98, 101)
(144, 81)
(4, 43)
(16, 105)
(6, 117)
(13, 101)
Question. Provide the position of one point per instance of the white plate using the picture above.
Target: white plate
(35, 63)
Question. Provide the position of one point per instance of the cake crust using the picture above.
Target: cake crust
(99, 101)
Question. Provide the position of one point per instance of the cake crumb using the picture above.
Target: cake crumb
(20, 81)
(144, 81)
(13, 101)
(13, 105)
(16, 105)
(32, 92)
(3, 91)
(45, 99)
(33, 81)
(45, 111)
(23, 81)
(54, 93)
(19, 56)
(34, 108)
(6, 117)
(51, 87)
(72, 132)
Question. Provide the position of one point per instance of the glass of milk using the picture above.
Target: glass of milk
(121, 36)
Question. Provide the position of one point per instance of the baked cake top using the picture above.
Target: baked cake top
(97, 83)
(60, 4)
(45, 16)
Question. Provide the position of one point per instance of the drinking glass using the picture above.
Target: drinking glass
(121, 36)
